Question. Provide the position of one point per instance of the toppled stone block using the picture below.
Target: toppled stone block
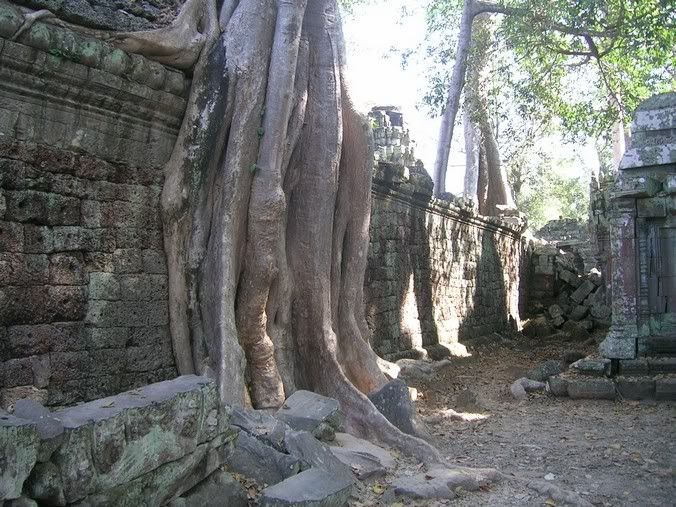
(441, 482)
(570, 278)
(557, 385)
(314, 454)
(578, 313)
(522, 386)
(19, 442)
(571, 356)
(217, 490)
(599, 367)
(315, 487)
(558, 321)
(49, 429)
(545, 370)
(10, 395)
(587, 324)
(169, 481)
(600, 312)
(260, 462)
(111, 442)
(582, 291)
(591, 388)
(305, 411)
(264, 427)
(394, 402)
(555, 311)
(575, 331)
(365, 459)
(538, 327)
(635, 388)
(594, 276)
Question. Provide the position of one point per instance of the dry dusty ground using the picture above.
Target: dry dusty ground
(609, 453)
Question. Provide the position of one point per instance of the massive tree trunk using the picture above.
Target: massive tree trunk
(266, 209)
(485, 178)
(470, 10)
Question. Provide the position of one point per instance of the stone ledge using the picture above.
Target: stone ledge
(67, 44)
(446, 209)
(158, 440)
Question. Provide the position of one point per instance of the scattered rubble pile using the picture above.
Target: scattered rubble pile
(172, 443)
(565, 298)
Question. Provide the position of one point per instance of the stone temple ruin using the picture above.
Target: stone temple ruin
(85, 130)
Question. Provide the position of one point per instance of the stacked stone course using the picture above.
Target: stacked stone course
(85, 131)
(437, 272)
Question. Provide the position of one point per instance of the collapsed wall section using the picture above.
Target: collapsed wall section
(437, 272)
(85, 131)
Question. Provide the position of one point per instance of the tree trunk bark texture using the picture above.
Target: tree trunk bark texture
(266, 209)
(452, 105)
(485, 178)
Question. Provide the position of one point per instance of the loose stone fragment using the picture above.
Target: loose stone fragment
(558, 386)
(578, 313)
(264, 427)
(441, 482)
(394, 402)
(314, 454)
(545, 370)
(582, 291)
(312, 488)
(364, 458)
(218, 490)
(555, 311)
(252, 458)
(592, 366)
(537, 328)
(305, 411)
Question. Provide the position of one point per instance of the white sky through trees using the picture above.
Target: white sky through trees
(375, 35)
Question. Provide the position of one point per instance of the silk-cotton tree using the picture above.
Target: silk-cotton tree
(623, 48)
(266, 207)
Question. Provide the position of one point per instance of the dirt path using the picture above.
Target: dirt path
(610, 453)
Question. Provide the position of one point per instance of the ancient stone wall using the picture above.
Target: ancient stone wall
(437, 272)
(84, 133)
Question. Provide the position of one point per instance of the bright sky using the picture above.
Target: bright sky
(377, 79)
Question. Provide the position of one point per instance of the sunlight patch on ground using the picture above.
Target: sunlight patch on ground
(449, 414)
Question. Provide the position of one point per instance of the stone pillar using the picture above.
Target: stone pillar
(620, 343)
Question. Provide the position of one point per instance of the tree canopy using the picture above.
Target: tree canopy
(585, 64)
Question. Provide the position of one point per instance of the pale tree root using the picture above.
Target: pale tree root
(30, 17)
(178, 44)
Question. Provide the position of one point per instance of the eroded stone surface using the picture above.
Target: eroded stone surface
(312, 488)
(19, 443)
(394, 402)
(305, 411)
(218, 490)
(441, 482)
(138, 437)
(267, 466)
(365, 459)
